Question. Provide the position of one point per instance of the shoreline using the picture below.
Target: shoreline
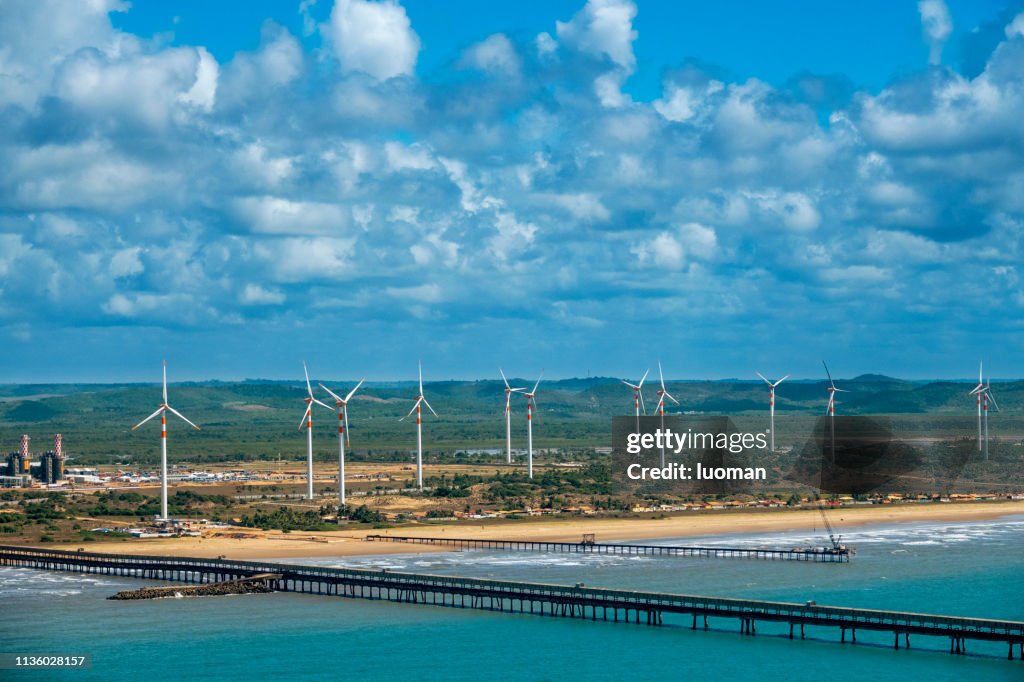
(342, 543)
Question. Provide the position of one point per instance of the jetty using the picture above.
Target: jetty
(578, 601)
(260, 583)
(837, 554)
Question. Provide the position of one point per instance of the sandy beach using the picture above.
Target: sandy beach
(274, 544)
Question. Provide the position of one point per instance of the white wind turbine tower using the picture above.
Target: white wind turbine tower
(831, 409)
(307, 417)
(978, 390)
(662, 394)
(162, 411)
(771, 402)
(531, 405)
(638, 397)
(343, 433)
(984, 392)
(420, 398)
(508, 413)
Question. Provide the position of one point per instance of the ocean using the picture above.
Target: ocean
(971, 569)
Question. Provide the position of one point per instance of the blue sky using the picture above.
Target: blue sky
(580, 186)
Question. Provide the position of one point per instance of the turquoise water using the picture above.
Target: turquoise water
(967, 569)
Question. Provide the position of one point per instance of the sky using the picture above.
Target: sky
(580, 186)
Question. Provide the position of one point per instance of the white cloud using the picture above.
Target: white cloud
(373, 37)
(603, 27)
(408, 157)
(496, 54)
(126, 263)
(304, 259)
(513, 237)
(937, 25)
(1016, 27)
(147, 89)
(671, 250)
(795, 209)
(585, 207)
(276, 215)
(424, 293)
(254, 294)
(683, 103)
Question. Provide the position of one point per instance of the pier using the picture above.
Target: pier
(818, 554)
(622, 606)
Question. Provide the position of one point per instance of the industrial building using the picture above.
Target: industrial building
(20, 471)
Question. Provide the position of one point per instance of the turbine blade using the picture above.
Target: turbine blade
(762, 378)
(304, 415)
(165, 382)
(644, 377)
(503, 377)
(413, 408)
(780, 381)
(353, 391)
(828, 373)
(667, 395)
(538, 382)
(661, 376)
(323, 404)
(348, 431)
(428, 406)
(158, 411)
(643, 408)
(421, 376)
(994, 403)
(183, 417)
(332, 393)
(309, 389)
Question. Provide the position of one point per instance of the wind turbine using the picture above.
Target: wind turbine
(162, 411)
(978, 390)
(662, 394)
(342, 404)
(984, 393)
(831, 409)
(307, 417)
(531, 404)
(508, 413)
(771, 402)
(638, 397)
(420, 398)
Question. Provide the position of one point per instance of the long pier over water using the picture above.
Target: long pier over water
(535, 598)
(819, 554)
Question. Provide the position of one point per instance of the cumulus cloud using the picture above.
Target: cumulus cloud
(604, 29)
(937, 25)
(373, 37)
(143, 178)
(496, 54)
(255, 294)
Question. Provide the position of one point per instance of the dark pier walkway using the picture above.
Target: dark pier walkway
(535, 598)
(819, 554)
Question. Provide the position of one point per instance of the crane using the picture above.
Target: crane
(835, 540)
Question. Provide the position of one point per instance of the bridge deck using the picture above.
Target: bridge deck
(816, 554)
(525, 597)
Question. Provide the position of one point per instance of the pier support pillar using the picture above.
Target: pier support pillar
(791, 631)
(896, 640)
